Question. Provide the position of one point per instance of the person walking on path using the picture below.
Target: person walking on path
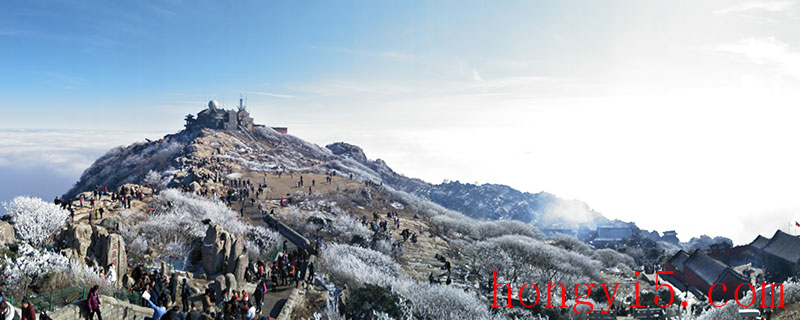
(258, 294)
(93, 303)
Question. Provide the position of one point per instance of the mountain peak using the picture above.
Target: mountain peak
(348, 150)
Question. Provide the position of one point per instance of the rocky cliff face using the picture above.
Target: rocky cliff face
(222, 254)
(95, 245)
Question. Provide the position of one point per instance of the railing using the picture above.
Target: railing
(55, 299)
(274, 254)
(49, 300)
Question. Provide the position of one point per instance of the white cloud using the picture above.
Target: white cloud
(766, 6)
(768, 52)
(368, 53)
(66, 152)
(270, 94)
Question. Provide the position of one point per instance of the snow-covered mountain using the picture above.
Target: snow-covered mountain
(263, 149)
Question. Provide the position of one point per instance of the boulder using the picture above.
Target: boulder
(219, 286)
(195, 187)
(71, 254)
(6, 233)
(230, 282)
(216, 250)
(225, 254)
(110, 250)
(111, 223)
(79, 238)
(95, 245)
(236, 250)
(241, 266)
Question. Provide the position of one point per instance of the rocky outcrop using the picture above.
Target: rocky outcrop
(76, 240)
(236, 250)
(221, 252)
(110, 251)
(348, 150)
(94, 245)
(214, 249)
(6, 233)
(241, 266)
(219, 286)
(230, 282)
(225, 283)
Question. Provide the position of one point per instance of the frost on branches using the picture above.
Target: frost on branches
(33, 264)
(357, 266)
(176, 226)
(158, 180)
(35, 220)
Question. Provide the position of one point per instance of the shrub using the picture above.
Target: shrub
(355, 266)
(611, 258)
(32, 265)
(366, 301)
(520, 258)
(571, 243)
(313, 223)
(35, 220)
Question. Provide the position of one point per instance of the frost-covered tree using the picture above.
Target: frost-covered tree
(571, 243)
(520, 259)
(35, 220)
(354, 265)
(31, 264)
(493, 229)
(176, 226)
(704, 242)
(312, 221)
(157, 180)
(129, 164)
(357, 267)
(611, 258)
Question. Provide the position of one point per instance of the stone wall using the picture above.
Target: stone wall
(110, 308)
(290, 234)
(295, 298)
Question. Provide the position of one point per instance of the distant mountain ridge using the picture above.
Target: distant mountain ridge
(486, 201)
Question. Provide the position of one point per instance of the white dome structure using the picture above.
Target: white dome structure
(213, 105)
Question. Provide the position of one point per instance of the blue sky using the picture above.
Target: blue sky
(643, 109)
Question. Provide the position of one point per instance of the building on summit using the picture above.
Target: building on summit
(217, 118)
(612, 237)
(671, 236)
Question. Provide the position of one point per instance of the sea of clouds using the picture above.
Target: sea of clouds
(46, 163)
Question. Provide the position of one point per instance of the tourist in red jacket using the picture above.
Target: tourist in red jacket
(28, 313)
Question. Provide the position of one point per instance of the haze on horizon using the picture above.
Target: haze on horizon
(674, 115)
